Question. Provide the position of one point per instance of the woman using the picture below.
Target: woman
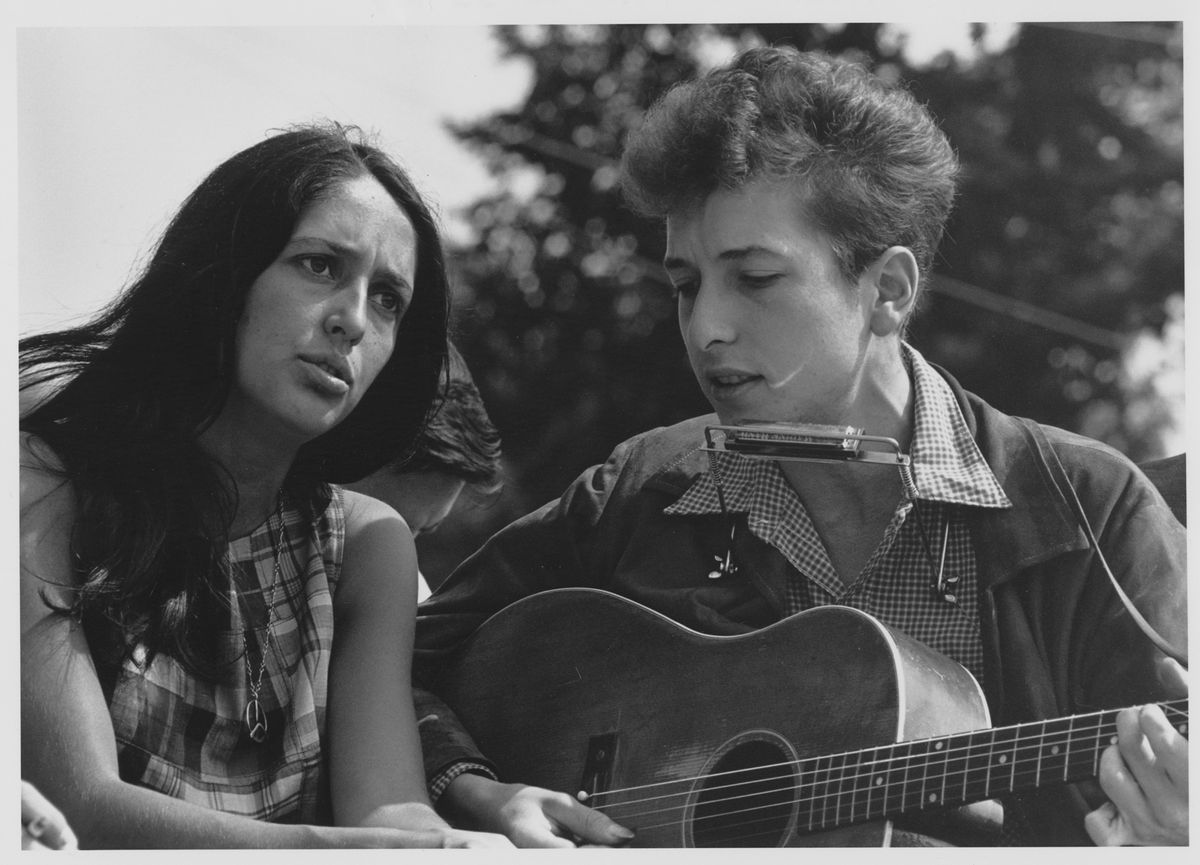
(185, 563)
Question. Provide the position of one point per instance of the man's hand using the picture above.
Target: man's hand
(1145, 776)
(529, 816)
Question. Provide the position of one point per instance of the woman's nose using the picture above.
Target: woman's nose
(347, 317)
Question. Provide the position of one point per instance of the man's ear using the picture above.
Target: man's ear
(895, 279)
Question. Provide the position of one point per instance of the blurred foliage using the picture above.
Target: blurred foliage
(1064, 254)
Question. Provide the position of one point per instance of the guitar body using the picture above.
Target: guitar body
(582, 690)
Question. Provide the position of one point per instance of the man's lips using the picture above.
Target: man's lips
(730, 379)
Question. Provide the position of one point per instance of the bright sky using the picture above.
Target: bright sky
(117, 125)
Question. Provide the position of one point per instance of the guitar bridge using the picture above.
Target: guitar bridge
(598, 766)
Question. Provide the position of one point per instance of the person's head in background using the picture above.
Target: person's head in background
(458, 449)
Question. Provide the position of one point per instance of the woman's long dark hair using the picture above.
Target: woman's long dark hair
(132, 388)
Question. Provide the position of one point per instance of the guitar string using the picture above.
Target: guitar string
(772, 813)
(917, 778)
(1176, 708)
(817, 820)
(840, 814)
(1020, 765)
(1045, 737)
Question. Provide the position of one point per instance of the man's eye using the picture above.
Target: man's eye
(686, 289)
(758, 280)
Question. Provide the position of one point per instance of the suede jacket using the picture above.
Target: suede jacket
(1057, 638)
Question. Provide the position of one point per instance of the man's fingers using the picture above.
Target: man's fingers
(1173, 676)
(587, 823)
(1105, 827)
(1121, 786)
(1153, 752)
(1167, 744)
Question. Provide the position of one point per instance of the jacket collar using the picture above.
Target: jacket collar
(1041, 523)
(1039, 526)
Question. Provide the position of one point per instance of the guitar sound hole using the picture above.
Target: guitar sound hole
(747, 798)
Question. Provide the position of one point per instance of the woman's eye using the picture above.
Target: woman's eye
(318, 265)
(389, 300)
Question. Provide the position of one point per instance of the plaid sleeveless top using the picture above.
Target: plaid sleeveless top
(186, 737)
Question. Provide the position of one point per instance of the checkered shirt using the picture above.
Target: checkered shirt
(896, 584)
(185, 737)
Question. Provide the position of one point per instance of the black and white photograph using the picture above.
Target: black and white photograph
(523, 425)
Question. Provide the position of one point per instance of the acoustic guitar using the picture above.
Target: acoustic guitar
(813, 731)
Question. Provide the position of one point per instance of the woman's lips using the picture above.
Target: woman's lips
(326, 378)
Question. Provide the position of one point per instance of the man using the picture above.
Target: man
(459, 448)
(804, 200)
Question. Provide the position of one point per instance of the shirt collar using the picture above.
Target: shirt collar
(947, 464)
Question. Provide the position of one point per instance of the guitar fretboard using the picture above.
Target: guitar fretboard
(955, 770)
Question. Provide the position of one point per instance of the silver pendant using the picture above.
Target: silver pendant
(256, 720)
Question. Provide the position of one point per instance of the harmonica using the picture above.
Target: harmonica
(800, 441)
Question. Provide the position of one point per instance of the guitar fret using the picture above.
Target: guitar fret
(879, 781)
(907, 782)
(872, 781)
(1003, 757)
(820, 795)
(945, 751)
(1067, 749)
(1083, 752)
(840, 766)
(969, 750)
(1041, 752)
(855, 782)
(927, 797)
(1027, 751)
(955, 771)
(1055, 740)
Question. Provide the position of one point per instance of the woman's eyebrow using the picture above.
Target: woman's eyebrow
(348, 252)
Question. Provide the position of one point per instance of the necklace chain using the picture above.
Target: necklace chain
(255, 718)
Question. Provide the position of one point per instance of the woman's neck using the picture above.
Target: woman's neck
(255, 471)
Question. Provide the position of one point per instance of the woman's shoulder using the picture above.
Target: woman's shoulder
(379, 547)
(44, 481)
(360, 513)
(47, 516)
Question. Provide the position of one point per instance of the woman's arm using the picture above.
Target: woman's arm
(376, 773)
(68, 748)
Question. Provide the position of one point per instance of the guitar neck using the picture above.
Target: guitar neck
(959, 769)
